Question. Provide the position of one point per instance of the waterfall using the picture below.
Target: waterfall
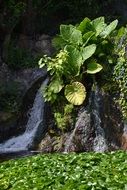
(99, 144)
(35, 122)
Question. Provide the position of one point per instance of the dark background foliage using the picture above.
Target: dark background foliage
(37, 16)
(34, 17)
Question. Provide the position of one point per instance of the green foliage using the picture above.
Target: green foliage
(79, 46)
(120, 69)
(70, 34)
(81, 52)
(108, 29)
(66, 171)
(88, 51)
(64, 120)
(56, 67)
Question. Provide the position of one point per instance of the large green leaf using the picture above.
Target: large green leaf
(88, 51)
(84, 25)
(75, 93)
(98, 25)
(87, 36)
(74, 60)
(108, 29)
(71, 34)
(93, 68)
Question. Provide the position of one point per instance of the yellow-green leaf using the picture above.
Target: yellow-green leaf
(75, 93)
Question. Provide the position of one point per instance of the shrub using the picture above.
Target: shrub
(82, 48)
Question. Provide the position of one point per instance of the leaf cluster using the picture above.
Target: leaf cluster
(94, 171)
(82, 49)
(64, 120)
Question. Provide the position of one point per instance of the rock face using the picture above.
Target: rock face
(24, 77)
(81, 138)
(41, 44)
(99, 128)
(103, 130)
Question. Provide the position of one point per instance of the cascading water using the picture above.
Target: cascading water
(99, 144)
(35, 122)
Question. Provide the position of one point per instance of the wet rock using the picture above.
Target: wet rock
(99, 127)
(81, 137)
(112, 122)
(25, 78)
(107, 121)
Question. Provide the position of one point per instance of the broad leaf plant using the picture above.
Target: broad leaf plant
(82, 50)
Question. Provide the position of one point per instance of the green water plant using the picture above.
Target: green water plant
(85, 171)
